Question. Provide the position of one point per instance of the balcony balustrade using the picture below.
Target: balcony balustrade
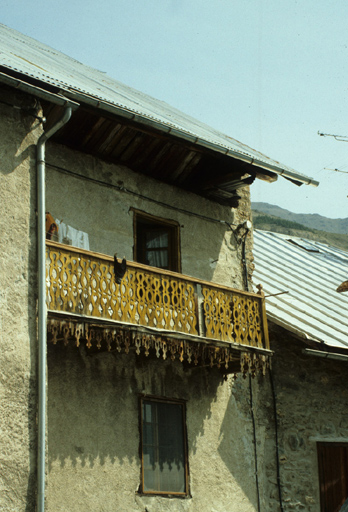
(82, 284)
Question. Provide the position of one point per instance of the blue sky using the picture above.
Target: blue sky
(270, 73)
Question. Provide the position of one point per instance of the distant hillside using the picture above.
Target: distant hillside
(291, 228)
(313, 221)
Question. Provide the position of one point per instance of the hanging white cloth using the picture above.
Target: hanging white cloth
(71, 236)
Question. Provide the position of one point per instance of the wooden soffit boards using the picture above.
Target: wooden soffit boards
(154, 154)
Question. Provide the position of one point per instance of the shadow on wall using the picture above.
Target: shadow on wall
(236, 447)
(17, 160)
(18, 168)
(18, 150)
(19, 171)
(32, 393)
(93, 411)
(206, 251)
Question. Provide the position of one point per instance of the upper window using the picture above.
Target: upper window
(156, 242)
(163, 447)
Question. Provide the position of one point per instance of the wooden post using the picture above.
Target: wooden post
(264, 315)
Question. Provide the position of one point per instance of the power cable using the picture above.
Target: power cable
(276, 439)
(121, 188)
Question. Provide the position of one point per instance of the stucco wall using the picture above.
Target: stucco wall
(89, 448)
(19, 132)
(311, 396)
(94, 436)
(209, 250)
(93, 433)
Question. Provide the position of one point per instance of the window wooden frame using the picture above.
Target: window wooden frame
(333, 475)
(145, 399)
(170, 226)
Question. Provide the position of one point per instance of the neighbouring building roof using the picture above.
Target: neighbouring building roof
(310, 272)
(25, 58)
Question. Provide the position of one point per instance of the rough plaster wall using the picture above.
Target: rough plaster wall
(312, 400)
(93, 437)
(18, 135)
(209, 250)
(93, 434)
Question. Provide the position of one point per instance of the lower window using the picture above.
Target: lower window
(333, 476)
(163, 447)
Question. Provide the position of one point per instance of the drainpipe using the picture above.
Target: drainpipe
(42, 332)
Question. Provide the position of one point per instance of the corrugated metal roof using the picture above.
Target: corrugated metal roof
(310, 271)
(26, 56)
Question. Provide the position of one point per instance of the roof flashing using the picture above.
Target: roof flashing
(304, 244)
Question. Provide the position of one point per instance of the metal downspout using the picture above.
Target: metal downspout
(42, 333)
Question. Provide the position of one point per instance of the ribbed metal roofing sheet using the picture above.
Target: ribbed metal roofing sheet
(310, 272)
(26, 56)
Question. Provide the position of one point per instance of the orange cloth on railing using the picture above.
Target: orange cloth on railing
(51, 226)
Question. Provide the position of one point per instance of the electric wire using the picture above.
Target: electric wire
(246, 284)
(254, 441)
(244, 263)
(340, 138)
(121, 188)
(276, 439)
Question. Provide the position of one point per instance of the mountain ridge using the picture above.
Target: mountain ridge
(310, 220)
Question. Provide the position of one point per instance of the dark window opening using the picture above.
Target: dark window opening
(333, 476)
(156, 242)
(163, 447)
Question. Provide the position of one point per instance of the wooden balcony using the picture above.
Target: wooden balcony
(155, 304)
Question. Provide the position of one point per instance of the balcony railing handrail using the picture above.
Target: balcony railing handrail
(154, 270)
(82, 282)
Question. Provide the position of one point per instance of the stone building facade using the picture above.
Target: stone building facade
(308, 404)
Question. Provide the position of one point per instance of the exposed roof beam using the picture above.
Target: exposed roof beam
(158, 125)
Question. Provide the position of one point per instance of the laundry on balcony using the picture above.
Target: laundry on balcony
(72, 236)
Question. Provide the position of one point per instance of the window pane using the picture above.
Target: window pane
(148, 434)
(147, 412)
(156, 239)
(157, 243)
(157, 258)
(164, 452)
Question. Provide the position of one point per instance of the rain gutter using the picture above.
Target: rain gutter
(42, 328)
(57, 99)
(325, 355)
(182, 134)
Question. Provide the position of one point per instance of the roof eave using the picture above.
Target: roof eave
(73, 98)
(182, 134)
